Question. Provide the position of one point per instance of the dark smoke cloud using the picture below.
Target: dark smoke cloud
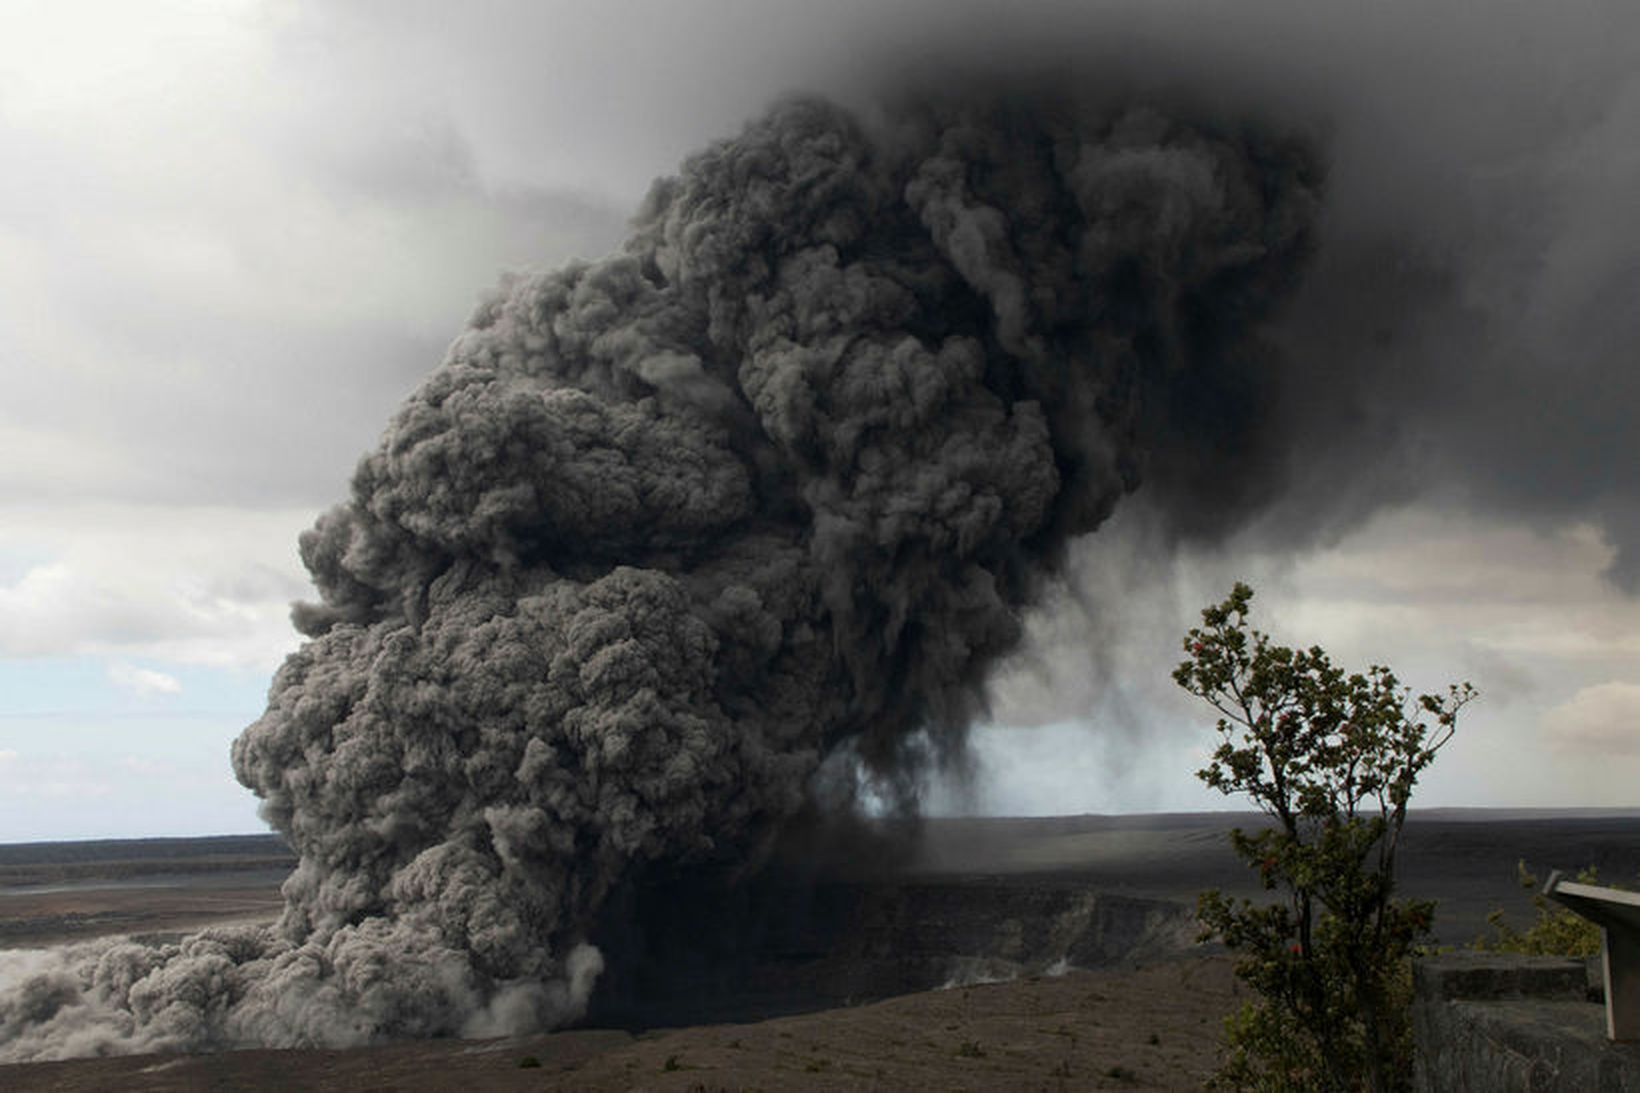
(670, 534)
(1465, 336)
(1464, 340)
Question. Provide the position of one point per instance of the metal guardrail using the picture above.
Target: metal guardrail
(1617, 913)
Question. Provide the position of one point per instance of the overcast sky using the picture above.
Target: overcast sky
(233, 235)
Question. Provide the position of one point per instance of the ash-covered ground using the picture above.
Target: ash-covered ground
(975, 898)
(1001, 912)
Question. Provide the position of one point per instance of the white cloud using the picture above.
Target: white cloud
(181, 585)
(1603, 720)
(103, 793)
(48, 779)
(1450, 594)
(143, 682)
(223, 258)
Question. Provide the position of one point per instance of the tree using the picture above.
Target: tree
(1332, 759)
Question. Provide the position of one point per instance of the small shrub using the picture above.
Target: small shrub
(671, 1064)
(529, 1062)
(970, 1049)
(1557, 931)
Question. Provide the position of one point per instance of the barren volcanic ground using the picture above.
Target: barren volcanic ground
(1146, 1018)
(52, 893)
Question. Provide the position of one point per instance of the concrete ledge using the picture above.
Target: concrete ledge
(1492, 976)
(1500, 1023)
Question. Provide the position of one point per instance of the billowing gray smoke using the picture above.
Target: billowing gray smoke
(667, 532)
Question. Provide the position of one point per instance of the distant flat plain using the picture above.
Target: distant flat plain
(1465, 859)
(1037, 1033)
(54, 893)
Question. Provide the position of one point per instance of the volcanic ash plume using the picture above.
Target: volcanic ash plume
(667, 530)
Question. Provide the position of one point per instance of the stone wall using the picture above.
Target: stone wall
(1498, 1023)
